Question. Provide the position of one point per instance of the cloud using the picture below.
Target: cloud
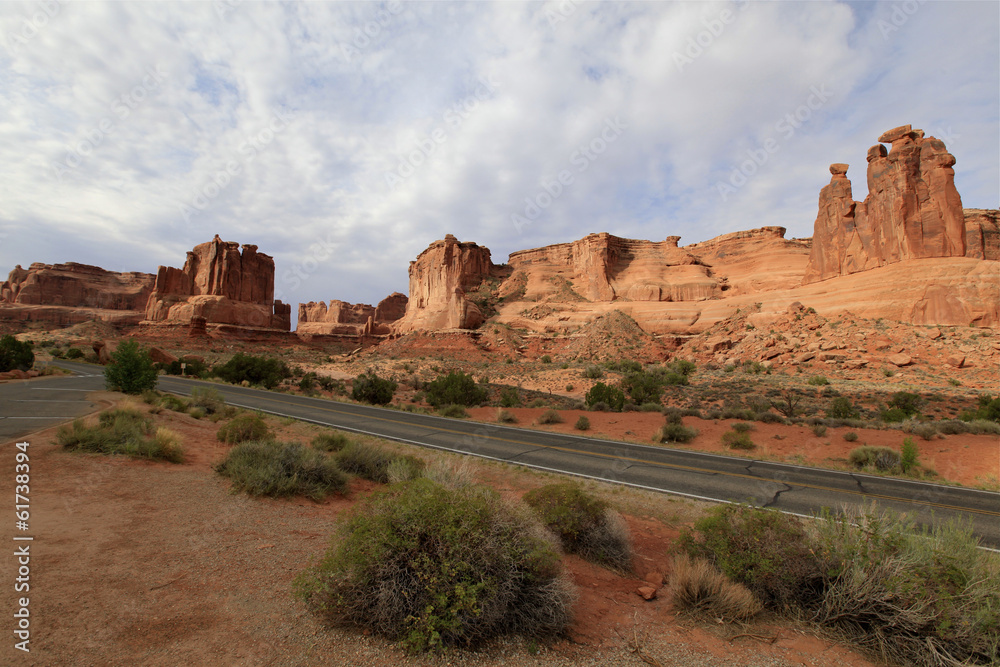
(343, 138)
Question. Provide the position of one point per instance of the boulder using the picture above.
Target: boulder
(956, 360)
(899, 359)
(646, 592)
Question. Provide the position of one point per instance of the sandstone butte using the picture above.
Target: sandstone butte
(909, 252)
(350, 319)
(219, 284)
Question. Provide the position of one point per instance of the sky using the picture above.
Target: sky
(343, 138)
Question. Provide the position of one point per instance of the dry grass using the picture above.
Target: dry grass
(695, 585)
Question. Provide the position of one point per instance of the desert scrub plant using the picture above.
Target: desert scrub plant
(908, 455)
(434, 567)
(510, 397)
(765, 550)
(456, 388)
(124, 431)
(550, 417)
(925, 430)
(208, 399)
(879, 458)
(818, 380)
(405, 468)
(582, 424)
(245, 427)
(698, 586)
(15, 354)
(819, 430)
(842, 408)
(910, 595)
(851, 436)
(370, 388)
(738, 440)
(743, 427)
(675, 432)
(270, 468)
(174, 403)
(131, 369)
(612, 397)
(506, 417)
(585, 524)
(593, 372)
(330, 441)
(364, 460)
(265, 371)
(453, 410)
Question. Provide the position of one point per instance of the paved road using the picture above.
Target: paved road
(790, 488)
(27, 406)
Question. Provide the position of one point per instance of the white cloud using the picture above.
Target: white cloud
(362, 86)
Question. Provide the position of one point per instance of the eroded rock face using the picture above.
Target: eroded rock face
(439, 279)
(391, 308)
(221, 284)
(982, 233)
(912, 210)
(75, 285)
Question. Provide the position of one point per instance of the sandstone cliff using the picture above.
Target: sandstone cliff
(221, 284)
(350, 319)
(912, 210)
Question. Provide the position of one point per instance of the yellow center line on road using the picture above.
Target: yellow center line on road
(646, 462)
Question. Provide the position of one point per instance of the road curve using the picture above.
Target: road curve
(790, 488)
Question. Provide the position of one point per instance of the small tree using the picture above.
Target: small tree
(456, 388)
(131, 369)
(602, 393)
(15, 354)
(370, 388)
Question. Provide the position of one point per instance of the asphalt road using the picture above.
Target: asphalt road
(790, 488)
(27, 406)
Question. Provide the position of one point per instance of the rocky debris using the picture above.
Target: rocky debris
(222, 284)
(912, 211)
(440, 277)
(956, 360)
(899, 359)
(646, 592)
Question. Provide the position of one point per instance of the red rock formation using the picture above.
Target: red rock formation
(391, 308)
(912, 210)
(221, 284)
(350, 319)
(439, 280)
(982, 233)
(75, 285)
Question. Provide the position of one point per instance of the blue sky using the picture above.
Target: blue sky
(342, 138)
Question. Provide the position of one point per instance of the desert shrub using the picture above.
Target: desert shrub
(510, 397)
(582, 424)
(984, 427)
(851, 436)
(953, 427)
(456, 388)
(675, 432)
(505, 417)
(151, 397)
(130, 370)
(245, 427)
(15, 354)
(819, 430)
(436, 567)
(270, 468)
(173, 402)
(546, 359)
(265, 371)
(327, 383)
(908, 402)
(879, 458)
(583, 523)
(893, 415)
(370, 388)
(612, 397)
(737, 440)
(452, 410)
(550, 417)
(643, 387)
(908, 455)
(910, 596)
(124, 431)
(765, 550)
(650, 407)
(698, 586)
(600, 406)
(630, 407)
(672, 415)
(988, 409)
(593, 372)
(74, 353)
(767, 417)
(925, 430)
(209, 399)
(841, 408)
(193, 367)
(330, 441)
(308, 382)
(818, 380)
(538, 403)
(743, 427)
(682, 367)
(366, 461)
(405, 468)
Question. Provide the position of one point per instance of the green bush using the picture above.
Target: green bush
(546, 359)
(505, 417)
(582, 424)
(593, 372)
(842, 408)
(330, 441)
(743, 427)
(585, 524)
(675, 432)
(208, 399)
(452, 410)
(15, 355)
(612, 397)
(130, 370)
(819, 430)
(436, 567)
(925, 430)
(987, 410)
(365, 461)
(767, 417)
(953, 427)
(908, 455)
(265, 371)
(269, 468)
(74, 353)
(550, 417)
(122, 431)
(818, 380)
(893, 415)
(510, 397)
(456, 388)
(851, 436)
(248, 426)
(193, 367)
(907, 402)
(370, 388)
(643, 387)
(767, 551)
(175, 403)
(737, 440)
(879, 458)
(682, 367)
